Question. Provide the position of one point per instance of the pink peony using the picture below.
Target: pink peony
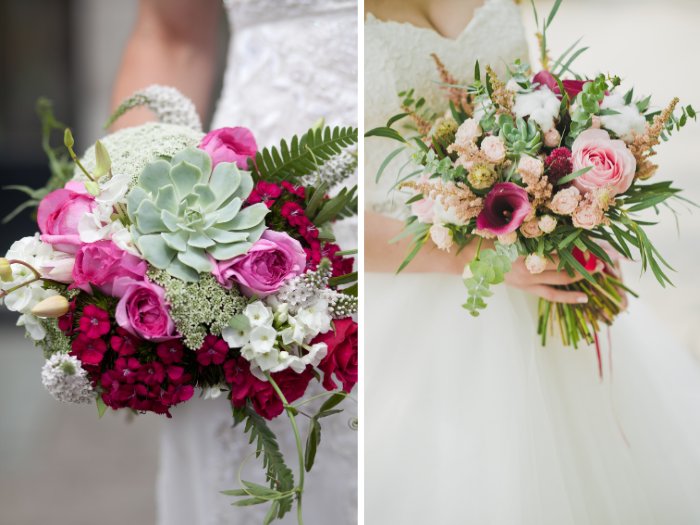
(59, 214)
(274, 259)
(101, 262)
(505, 209)
(142, 310)
(230, 145)
(612, 164)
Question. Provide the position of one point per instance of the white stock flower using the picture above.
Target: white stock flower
(315, 317)
(541, 105)
(262, 339)
(37, 254)
(627, 123)
(35, 330)
(236, 337)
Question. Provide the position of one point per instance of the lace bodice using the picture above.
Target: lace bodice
(290, 63)
(397, 57)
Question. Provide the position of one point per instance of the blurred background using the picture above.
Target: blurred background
(58, 464)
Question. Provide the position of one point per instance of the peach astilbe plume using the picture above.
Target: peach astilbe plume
(455, 197)
(502, 97)
(423, 125)
(458, 96)
(643, 145)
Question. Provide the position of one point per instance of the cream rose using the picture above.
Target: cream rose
(494, 149)
(565, 201)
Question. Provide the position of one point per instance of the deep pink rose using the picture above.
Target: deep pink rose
(142, 310)
(101, 262)
(274, 259)
(505, 209)
(572, 87)
(612, 163)
(230, 145)
(59, 213)
(341, 359)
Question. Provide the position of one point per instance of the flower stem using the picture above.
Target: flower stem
(36, 272)
(300, 449)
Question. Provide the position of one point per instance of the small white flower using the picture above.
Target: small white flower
(315, 317)
(35, 330)
(541, 105)
(66, 380)
(296, 332)
(236, 337)
(262, 339)
(258, 314)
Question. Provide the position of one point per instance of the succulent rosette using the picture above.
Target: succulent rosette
(174, 261)
(545, 166)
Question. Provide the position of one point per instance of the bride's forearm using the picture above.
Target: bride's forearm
(174, 43)
(383, 256)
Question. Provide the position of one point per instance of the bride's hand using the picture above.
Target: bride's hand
(543, 284)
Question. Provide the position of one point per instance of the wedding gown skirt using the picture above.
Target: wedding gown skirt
(472, 421)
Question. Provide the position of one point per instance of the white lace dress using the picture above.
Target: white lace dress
(290, 63)
(471, 421)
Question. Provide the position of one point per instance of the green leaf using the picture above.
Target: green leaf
(316, 199)
(395, 119)
(343, 279)
(391, 156)
(386, 133)
(572, 176)
(101, 406)
(553, 13)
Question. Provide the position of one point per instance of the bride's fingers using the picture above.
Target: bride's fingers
(556, 277)
(557, 296)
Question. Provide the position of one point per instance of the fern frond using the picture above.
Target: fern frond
(302, 156)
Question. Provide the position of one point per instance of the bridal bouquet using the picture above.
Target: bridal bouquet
(169, 260)
(549, 165)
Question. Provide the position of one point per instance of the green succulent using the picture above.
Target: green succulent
(521, 138)
(183, 213)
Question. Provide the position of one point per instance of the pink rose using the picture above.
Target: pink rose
(587, 216)
(531, 229)
(142, 310)
(612, 164)
(423, 209)
(101, 262)
(59, 213)
(530, 167)
(230, 145)
(441, 236)
(274, 259)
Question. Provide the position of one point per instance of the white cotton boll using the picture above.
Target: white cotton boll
(542, 106)
(627, 123)
(66, 380)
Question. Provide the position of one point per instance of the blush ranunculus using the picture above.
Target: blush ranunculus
(59, 214)
(235, 145)
(101, 262)
(142, 310)
(274, 259)
(505, 209)
(341, 358)
(612, 163)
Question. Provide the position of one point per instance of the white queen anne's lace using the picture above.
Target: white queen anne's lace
(66, 380)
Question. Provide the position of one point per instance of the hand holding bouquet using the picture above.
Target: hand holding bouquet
(169, 260)
(550, 166)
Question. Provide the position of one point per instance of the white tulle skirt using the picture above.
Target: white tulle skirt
(471, 421)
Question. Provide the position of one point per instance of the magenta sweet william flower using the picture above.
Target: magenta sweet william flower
(123, 343)
(213, 351)
(266, 402)
(266, 192)
(143, 311)
(505, 209)
(89, 350)
(152, 373)
(235, 145)
(341, 359)
(100, 263)
(273, 259)
(572, 87)
(128, 368)
(170, 352)
(94, 322)
(60, 212)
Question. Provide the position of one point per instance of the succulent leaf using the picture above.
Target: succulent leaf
(184, 214)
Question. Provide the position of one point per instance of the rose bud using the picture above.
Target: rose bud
(5, 270)
(52, 307)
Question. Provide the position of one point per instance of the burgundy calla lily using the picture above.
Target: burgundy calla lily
(572, 87)
(505, 209)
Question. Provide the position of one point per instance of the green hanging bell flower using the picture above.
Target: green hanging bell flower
(183, 213)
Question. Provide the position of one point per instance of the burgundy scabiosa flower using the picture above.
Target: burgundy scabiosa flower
(558, 164)
(505, 209)
(95, 321)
